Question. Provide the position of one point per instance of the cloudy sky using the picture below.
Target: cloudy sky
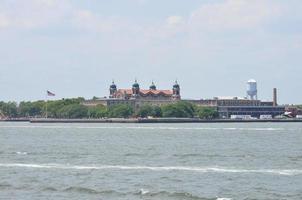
(76, 47)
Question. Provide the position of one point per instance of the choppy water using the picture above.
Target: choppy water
(151, 161)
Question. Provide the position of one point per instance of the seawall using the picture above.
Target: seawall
(162, 120)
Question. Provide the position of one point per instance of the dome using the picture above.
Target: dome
(152, 86)
(113, 86)
(135, 85)
(252, 81)
(175, 85)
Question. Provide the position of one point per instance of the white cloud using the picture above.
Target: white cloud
(142, 2)
(235, 14)
(4, 21)
(175, 20)
(33, 13)
(228, 15)
(89, 21)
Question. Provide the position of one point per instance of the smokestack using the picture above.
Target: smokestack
(275, 97)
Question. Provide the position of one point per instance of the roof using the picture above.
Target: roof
(252, 81)
(147, 92)
(229, 98)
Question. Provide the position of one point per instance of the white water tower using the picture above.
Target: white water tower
(252, 89)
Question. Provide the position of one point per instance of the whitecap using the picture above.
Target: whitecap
(143, 191)
(21, 153)
(288, 172)
(143, 127)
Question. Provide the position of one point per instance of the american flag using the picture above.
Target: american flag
(50, 94)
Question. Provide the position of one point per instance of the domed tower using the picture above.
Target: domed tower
(135, 88)
(112, 89)
(176, 91)
(152, 86)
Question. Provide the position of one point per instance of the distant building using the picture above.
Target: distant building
(136, 96)
(145, 94)
(226, 106)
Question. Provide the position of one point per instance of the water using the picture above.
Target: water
(151, 161)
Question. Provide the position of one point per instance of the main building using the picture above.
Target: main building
(136, 96)
(226, 106)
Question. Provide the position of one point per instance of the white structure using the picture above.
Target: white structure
(252, 89)
(266, 117)
(242, 117)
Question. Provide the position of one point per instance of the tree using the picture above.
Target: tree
(207, 113)
(73, 111)
(98, 111)
(145, 111)
(31, 109)
(157, 112)
(9, 109)
(57, 108)
(180, 109)
(120, 111)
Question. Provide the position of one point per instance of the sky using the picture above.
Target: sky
(212, 47)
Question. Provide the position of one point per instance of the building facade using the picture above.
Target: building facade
(226, 106)
(136, 97)
(145, 94)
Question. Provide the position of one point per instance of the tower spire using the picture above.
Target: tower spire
(152, 86)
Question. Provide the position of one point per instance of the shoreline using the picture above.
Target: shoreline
(153, 120)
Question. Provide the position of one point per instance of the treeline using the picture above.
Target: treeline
(73, 109)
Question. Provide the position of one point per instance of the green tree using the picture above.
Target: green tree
(180, 109)
(145, 111)
(120, 111)
(31, 109)
(56, 109)
(149, 110)
(98, 111)
(157, 112)
(207, 113)
(9, 109)
(73, 111)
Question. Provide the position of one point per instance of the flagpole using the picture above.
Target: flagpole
(48, 93)
(46, 113)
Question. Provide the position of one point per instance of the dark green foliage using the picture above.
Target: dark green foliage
(8, 109)
(56, 109)
(145, 111)
(32, 109)
(73, 111)
(157, 112)
(207, 113)
(180, 109)
(65, 108)
(73, 108)
(120, 111)
(98, 111)
(149, 110)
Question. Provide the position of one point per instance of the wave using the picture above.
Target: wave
(5, 186)
(210, 155)
(288, 172)
(223, 198)
(149, 128)
(141, 192)
(87, 190)
(21, 153)
(50, 189)
(173, 195)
